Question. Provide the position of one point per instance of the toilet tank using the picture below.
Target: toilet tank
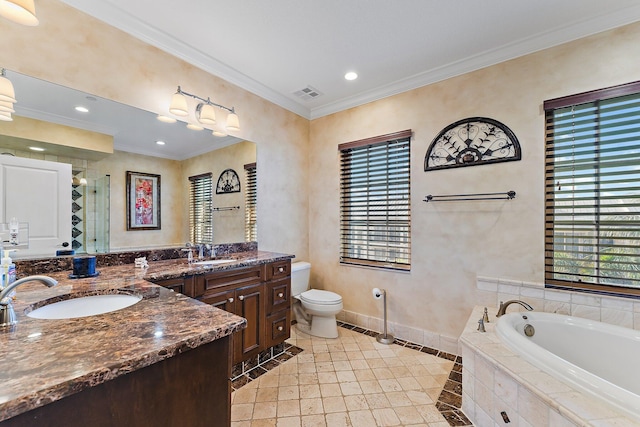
(300, 272)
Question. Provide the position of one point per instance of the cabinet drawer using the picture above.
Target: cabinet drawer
(278, 327)
(278, 295)
(183, 285)
(237, 277)
(279, 269)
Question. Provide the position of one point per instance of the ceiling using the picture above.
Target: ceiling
(279, 47)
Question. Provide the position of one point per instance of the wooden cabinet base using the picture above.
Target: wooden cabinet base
(190, 389)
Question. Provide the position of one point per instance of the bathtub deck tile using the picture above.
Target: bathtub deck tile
(574, 404)
(545, 382)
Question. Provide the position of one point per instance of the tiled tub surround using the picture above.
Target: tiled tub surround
(48, 360)
(499, 386)
(603, 308)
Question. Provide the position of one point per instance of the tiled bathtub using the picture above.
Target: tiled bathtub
(501, 389)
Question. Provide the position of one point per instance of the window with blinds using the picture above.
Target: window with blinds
(592, 232)
(250, 204)
(200, 208)
(375, 208)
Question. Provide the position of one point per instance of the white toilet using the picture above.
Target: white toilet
(315, 310)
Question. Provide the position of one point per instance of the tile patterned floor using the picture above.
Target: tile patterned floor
(352, 381)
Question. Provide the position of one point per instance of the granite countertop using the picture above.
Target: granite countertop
(46, 360)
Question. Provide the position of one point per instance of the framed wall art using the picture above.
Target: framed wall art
(143, 201)
(471, 142)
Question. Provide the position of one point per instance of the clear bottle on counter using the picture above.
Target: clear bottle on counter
(14, 227)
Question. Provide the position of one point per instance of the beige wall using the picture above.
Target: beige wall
(454, 242)
(75, 50)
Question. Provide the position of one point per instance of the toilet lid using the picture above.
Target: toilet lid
(317, 296)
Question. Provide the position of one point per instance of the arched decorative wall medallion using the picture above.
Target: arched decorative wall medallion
(470, 142)
(228, 182)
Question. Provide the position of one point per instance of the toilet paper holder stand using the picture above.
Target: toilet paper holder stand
(383, 338)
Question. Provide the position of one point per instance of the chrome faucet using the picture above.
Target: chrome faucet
(503, 306)
(7, 315)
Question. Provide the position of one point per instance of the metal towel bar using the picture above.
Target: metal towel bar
(226, 208)
(478, 196)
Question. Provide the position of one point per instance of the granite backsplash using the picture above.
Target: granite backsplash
(63, 263)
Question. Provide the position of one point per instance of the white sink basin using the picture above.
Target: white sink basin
(213, 262)
(84, 306)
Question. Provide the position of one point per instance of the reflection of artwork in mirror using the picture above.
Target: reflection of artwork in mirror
(228, 182)
(143, 201)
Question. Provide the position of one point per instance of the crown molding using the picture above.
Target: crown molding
(487, 58)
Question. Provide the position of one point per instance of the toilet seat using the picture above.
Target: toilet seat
(320, 297)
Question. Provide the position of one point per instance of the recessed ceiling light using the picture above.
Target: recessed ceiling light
(160, 142)
(82, 109)
(36, 148)
(193, 126)
(166, 119)
(351, 75)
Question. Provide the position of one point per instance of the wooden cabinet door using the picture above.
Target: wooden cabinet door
(250, 304)
(223, 298)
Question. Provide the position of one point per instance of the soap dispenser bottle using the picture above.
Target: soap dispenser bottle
(8, 271)
(14, 227)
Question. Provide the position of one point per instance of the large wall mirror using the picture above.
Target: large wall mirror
(101, 144)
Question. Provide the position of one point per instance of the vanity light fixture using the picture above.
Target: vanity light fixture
(6, 87)
(19, 11)
(5, 116)
(205, 113)
(7, 107)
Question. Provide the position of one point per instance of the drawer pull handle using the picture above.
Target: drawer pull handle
(241, 297)
(280, 295)
(230, 299)
(281, 269)
(280, 328)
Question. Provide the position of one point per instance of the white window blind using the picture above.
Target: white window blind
(200, 208)
(250, 203)
(375, 208)
(592, 233)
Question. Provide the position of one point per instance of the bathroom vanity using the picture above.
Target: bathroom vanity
(259, 292)
(165, 360)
